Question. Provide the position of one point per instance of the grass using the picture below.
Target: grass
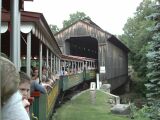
(82, 108)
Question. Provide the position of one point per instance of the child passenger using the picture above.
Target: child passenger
(11, 99)
(24, 87)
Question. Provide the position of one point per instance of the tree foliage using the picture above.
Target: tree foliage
(153, 56)
(54, 28)
(142, 36)
(136, 37)
(74, 17)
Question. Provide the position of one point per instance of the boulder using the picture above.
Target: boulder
(106, 87)
(122, 109)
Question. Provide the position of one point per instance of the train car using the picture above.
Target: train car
(37, 48)
(32, 44)
(43, 104)
(76, 69)
(71, 71)
(90, 69)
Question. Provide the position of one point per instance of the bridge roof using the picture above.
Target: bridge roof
(87, 27)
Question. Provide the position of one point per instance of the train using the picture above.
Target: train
(37, 47)
(43, 105)
(75, 54)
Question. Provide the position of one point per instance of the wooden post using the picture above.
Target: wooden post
(29, 54)
(40, 61)
(98, 85)
(93, 92)
(47, 61)
(0, 22)
(15, 29)
(51, 63)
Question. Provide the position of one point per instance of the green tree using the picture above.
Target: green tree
(74, 17)
(54, 28)
(153, 56)
(136, 37)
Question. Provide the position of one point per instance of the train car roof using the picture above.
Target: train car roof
(71, 58)
(6, 4)
(41, 23)
(76, 58)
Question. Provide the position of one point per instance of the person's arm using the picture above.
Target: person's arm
(40, 88)
(46, 85)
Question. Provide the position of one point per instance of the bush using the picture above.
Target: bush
(151, 112)
(141, 114)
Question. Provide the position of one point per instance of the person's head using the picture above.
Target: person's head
(44, 70)
(24, 85)
(35, 72)
(9, 79)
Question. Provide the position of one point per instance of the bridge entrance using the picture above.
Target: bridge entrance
(82, 46)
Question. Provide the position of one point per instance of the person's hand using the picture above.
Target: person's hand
(26, 104)
(46, 85)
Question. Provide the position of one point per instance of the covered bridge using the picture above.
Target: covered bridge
(85, 38)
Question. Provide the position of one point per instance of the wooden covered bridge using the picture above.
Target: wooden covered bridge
(85, 38)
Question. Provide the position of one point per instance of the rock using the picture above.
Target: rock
(122, 109)
(111, 101)
(106, 87)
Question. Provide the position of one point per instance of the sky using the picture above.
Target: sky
(110, 15)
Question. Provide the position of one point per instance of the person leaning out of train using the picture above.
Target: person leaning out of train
(75, 70)
(55, 76)
(35, 85)
(65, 71)
(79, 70)
(11, 98)
(47, 82)
(62, 71)
(35, 74)
(24, 87)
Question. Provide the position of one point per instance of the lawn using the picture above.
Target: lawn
(81, 108)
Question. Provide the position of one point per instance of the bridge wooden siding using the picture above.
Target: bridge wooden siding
(116, 64)
(112, 53)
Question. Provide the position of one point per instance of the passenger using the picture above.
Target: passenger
(45, 80)
(75, 70)
(53, 77)
(65, 72)
(24, 87)
(35, 74)
(62, 71)
(79, 70)
(11, 98)
(44, 74)
(35, 86)
(57, 75)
